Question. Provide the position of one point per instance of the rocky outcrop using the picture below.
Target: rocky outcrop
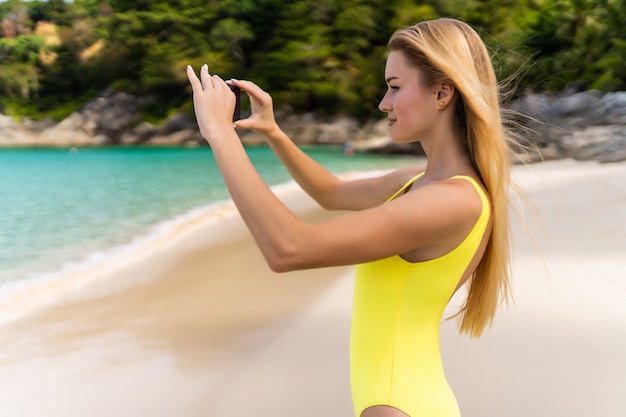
(309, 129)
(588, 125)
(110, 119)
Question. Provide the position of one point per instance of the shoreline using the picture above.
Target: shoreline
(31, 292)
(195, 330)
(71, 276)
(171, 320)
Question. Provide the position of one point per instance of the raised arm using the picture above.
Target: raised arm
(329, 191)
(435, 216)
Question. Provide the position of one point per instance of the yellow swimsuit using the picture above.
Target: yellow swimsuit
(394, 342)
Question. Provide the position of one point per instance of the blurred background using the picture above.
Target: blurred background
(90, 75)
(84, 82)
(325, 56)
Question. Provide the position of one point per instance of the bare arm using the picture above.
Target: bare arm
(329, 191)
(431, 216)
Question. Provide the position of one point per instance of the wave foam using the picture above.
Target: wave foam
(19, 298)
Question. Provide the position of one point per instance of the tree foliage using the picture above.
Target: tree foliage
(578, 40)
(313, 55)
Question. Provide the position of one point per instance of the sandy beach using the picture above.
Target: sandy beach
(202, 327)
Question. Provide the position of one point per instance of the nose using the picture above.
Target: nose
(385, 103)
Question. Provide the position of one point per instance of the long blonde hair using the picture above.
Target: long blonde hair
(450, 51)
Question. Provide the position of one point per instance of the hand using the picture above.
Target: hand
(213, 101)
(262, 119)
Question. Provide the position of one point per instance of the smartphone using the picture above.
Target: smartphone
(237, 91)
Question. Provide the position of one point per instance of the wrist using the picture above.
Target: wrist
(217, 133)
(273, 133)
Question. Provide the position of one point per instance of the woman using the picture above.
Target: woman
(416, 235)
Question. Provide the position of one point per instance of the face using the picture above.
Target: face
(410, 106)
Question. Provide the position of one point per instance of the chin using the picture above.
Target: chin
(402, 140)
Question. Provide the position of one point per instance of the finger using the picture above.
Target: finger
(243, 123)
(251, 89)
(193, 78)
(233, 83)
(243, 84)
(207, 82)
(218, 83)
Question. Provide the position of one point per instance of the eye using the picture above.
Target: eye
(394, 87)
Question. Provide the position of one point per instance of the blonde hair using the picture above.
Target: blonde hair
(449, 51)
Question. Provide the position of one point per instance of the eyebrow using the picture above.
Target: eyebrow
(391, 79)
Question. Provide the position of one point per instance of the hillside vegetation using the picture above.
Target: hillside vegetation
(323, 56)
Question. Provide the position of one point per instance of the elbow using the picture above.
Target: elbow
(330, 198)
(278, 266)
(325, 205)
(283, 258)
(329, 203)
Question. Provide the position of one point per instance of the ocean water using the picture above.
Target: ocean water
(65, 208)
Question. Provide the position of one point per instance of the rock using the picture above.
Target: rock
(7, 123)
(375, 129)
(383, 145)
(339, 131)
(574, 105)
(587, 125)
(100, 140)
(307, 129)
(251, 138)
(589, 138)
(612, 109)
(141, 133)
(176, 123)
(111, 114)
(532, 105)
(619, 155)
(174, 138)
(610, 150)
(39, 125)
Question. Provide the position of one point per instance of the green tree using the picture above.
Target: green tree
(57, 11)
(312, 55)
(18, 75)
(578, 40)
(328, 55)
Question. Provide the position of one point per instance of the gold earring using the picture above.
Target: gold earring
(442, 105)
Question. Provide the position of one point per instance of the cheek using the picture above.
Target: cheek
(403, 105)
(413, 103)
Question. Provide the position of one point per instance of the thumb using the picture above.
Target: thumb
(243, 124)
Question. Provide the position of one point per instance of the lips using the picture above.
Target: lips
(392, 121)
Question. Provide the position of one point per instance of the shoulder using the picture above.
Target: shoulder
(393, 181)
(370, 192)
(449, 204)
(458, 186)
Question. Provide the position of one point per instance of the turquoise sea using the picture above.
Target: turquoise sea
(62, 208)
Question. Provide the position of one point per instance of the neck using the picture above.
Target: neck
(447, 157)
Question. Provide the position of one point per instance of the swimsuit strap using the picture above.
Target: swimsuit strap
(479, 189)
(410, 182)
(405, 186)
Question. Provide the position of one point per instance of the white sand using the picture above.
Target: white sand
(261, 344)
(561, 349)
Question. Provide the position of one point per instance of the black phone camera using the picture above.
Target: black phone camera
(237, 91)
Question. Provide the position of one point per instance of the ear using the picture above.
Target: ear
(445, 92)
